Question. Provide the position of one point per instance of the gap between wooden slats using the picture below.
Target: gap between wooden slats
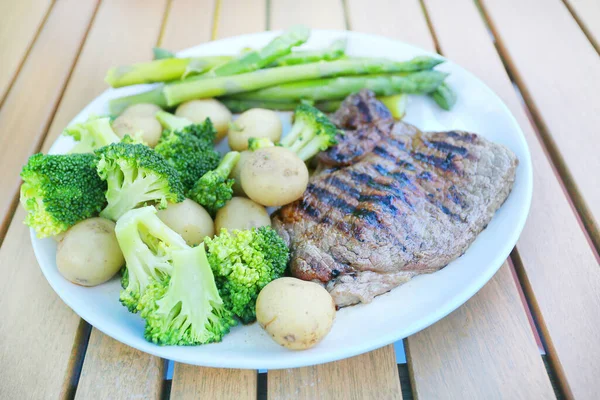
(556, 265)
(587, 14)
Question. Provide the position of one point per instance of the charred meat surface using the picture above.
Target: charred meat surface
(409, 206)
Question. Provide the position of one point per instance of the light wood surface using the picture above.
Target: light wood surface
(188, 23)
(560, 81)
(317, 14)
(587, 13)
(29, 106)
(239, 17)
(191, 382)
(372, 375)
(556, 258)
(113, 370)
(19, 24)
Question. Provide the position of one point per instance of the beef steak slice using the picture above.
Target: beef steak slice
(410, 206)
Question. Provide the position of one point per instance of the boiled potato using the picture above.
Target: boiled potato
(274, 176)
(297, 314)
(142, 110)
(198, 110)
(189, 219)
(254, 123)
(241, 213)
(236, 173)
(148, 129)
(89, 254)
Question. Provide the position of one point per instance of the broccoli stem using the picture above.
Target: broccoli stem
(172, 122)
(161, 70)
(154, 96)
(444, 96)
(334, 51)
(177, 93)
(227, 164)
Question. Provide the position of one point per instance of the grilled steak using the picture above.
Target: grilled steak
(410, 205)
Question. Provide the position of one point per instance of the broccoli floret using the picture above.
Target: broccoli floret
(187, 147)
(147, 245)
(311, 132)
(187, 309)
(60, 190)
(92, 134)
(213, 189)
(136, 175)
(257, 143)
(243, 263)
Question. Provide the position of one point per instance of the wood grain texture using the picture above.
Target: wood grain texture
(483, 350)
(191, 382)
(188, 23)
(19, 24)
(401, 20)
(239, 17)
(371, 375)
(587, 13)
(556, 258)
(29, 106)
(112, 370)
(317, 14)
(563, 95)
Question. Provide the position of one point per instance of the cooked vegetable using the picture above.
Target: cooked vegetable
(189, 219)
(396, 104)
(240, 105)
(244, 262)
(213, 190)
(421, 82)
(336, 50)
(236, 174)
(60, 190)
(136, 175)
(444, 96)
(177, 93)
(147, 244)
(254, 123)
(89, 253)
(91, 134)
(145, 129)
(160, 53)
(297, 314)
(188, 147)
(142, 110)
(198, 111)
(154, 96)
(187, 309)
(241, 213)
(274, 176)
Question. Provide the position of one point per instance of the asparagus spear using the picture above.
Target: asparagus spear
(226, 85)
(254, 60)
(239, 106)
(160, 53)
(444, 96)
(336, 50)
(163, 70)
(154, 96)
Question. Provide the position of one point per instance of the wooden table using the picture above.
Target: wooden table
(540, 56)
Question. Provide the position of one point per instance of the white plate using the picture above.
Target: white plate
(390, 317)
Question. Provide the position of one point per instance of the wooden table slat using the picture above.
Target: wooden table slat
(191, 382)
(240, 17)
(588, 15)
(188, 23)
(317, 14)
(558, 71)
(559, 269)
(20, 21)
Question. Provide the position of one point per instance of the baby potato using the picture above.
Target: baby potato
(189, 219)
(147, 129)
(274, 176)
(236, 173)
(198, 110)
(89, 253)
(142, 110)
(241, 213)
(254, 123)
(297, 314)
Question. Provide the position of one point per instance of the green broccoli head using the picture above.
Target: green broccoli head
(92, 134)
(60, 190)
(147, 245)
(213, 189)
(311, 132)
(244, 262)
(136, 175)
(204, 131)
(187, 309)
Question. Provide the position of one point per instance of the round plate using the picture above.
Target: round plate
(361, 328)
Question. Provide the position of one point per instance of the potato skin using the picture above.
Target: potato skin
(297, 314)
(236, 173)
(89, 253)
(241, 213)
(148, 128)
(189, 219)
(274, 176)
(142, 110)
(254, 123)
(198, 110)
